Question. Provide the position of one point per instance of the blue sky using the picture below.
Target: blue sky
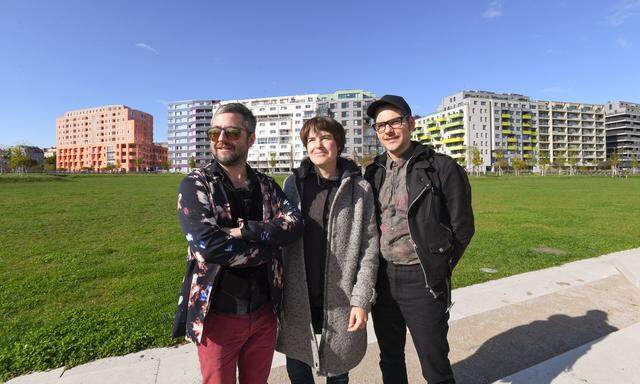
(61, 55)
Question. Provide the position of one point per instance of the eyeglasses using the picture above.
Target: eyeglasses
(393, 123)
(232, 133)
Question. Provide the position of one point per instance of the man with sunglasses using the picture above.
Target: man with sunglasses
(236, 221)
(423, 209)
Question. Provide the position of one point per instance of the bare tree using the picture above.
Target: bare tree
(543, 163)
(560, 161)
(614, 159)
(572, 160)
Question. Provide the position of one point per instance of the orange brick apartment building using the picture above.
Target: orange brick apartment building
(109, 135)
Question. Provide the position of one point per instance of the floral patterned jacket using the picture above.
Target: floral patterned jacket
(203, 209)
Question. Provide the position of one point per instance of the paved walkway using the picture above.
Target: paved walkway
(577, 323)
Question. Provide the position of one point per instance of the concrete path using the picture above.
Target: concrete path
(577, 323)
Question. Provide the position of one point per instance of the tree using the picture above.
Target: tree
(476, 159)
(272, 160)
(543, 162)
(139, 161)
(192, 162)
(614, 159)
(572, 160)
(355, 157)
(164, 164)
(18, 162)
(50, 163)
(5, 156)
(634, 164)
(560, 161)
(500, 161)
(118, 165)
(365, 160)
(518, 165)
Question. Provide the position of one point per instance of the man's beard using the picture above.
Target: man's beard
(230, 159)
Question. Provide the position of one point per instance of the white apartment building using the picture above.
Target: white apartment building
(486, 120)
(279, 120)
(622, 127)
(187, 126)
(571, 132)
(516, 125)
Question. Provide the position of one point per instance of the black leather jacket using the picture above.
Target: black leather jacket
(440, 214)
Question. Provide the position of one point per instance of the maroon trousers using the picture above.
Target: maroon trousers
(245, 341)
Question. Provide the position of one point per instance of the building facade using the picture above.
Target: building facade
(277, 147)
(515, 126)
(109, 136)
(188, 123)
(571, 133)
(622, 128)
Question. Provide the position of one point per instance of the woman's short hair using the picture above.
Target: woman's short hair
(325, 124)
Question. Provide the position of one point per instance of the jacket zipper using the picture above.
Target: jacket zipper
(415, 246)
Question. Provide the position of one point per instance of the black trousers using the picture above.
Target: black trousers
(405, 301)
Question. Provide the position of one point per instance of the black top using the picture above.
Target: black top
(317, 195)
(242, 290)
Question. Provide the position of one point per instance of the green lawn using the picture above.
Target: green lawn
(90, 265)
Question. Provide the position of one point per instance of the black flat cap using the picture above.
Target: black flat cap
(393, 100)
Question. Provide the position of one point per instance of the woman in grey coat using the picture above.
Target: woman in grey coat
(330, 274)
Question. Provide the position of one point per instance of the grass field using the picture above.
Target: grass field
(90, 265)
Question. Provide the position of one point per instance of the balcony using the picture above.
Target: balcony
(526, 116)
(458, 155)
(507, 132)
(525, 124)
(505, 124)
(531, 133)
(456, 115)
(527, 148)
(511, 148)
(511, 140)
(433, 129)
(458, 123)
(526, 156)
(441, 119)
(506, 115)
(455, 132)
(453, 140)
(456, 148)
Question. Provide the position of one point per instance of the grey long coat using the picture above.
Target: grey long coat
(350, 279)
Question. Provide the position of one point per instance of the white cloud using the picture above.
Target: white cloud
(147, 47)
(621, 11)
(493, 11)
(623, 43)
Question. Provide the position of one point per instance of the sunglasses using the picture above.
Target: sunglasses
(231, 133)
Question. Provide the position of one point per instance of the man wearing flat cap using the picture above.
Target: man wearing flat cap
(423, 209)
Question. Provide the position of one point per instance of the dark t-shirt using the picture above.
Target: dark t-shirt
(242, 290)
